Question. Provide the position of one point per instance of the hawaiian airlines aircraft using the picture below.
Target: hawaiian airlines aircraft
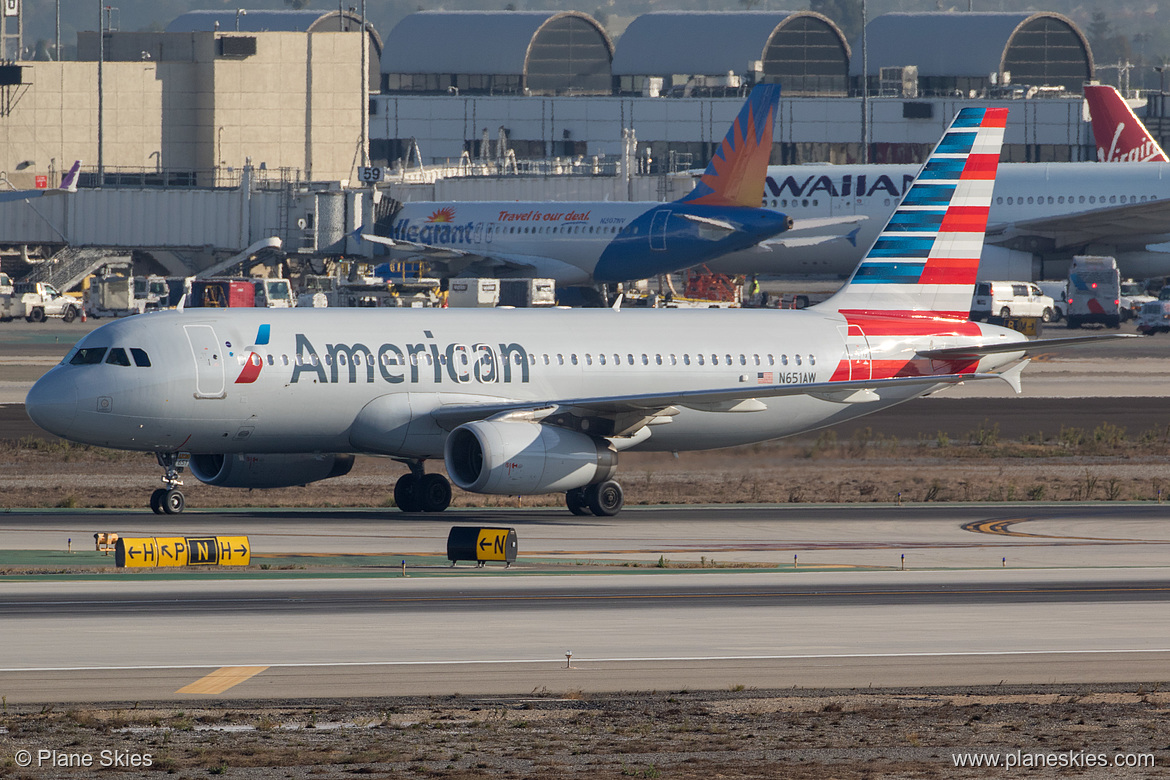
(1043, 213)
(1120, 136)
(523, 401)
(68, 184)
(578, 243)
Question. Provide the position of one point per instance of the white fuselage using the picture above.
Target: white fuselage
(578, 243)
(212, 388)
(1023, 192)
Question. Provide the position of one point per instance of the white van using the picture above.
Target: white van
(1011, 299)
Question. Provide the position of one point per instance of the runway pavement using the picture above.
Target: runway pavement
(1091, 603)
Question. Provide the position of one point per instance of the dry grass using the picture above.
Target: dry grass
(1103, 464)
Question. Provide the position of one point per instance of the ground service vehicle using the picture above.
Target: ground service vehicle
(1094, 292)
(37, 301)
(1003, 300)
(1154, 317)
(1133, 298)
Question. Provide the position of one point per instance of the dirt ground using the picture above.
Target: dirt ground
(738, 733)
(1105, 464)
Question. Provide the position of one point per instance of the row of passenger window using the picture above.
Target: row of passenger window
(804, 202)
(560, 359)
(557, 229)
(1078, 199)
(89, 356)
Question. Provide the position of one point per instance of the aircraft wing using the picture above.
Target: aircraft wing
(460, 262)
(630, 412)
(428, 251)
(1131, 223)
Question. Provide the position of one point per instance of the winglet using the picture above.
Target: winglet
(69, 180)
(736, 174)
(617, 305)
(1012, 375)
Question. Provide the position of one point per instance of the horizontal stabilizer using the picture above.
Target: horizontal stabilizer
(820, 223)
(1029, 347)
(718, 224)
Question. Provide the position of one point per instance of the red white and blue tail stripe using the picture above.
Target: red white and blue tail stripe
(924, 263)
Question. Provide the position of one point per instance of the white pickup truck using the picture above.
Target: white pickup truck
(37, 301)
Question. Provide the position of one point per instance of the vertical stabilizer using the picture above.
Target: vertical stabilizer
(739, 166)
(69, 180)
(1119, 134)
(924, 261)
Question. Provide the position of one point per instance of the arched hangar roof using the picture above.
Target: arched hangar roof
(718, 42)
(1037, 48)
(267, 21)
(482, 42)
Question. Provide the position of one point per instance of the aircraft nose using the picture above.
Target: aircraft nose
(52, 402)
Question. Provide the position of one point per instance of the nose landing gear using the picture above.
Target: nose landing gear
(170, 500)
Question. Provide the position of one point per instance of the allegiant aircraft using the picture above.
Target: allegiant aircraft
(524, 401)
(580, 243)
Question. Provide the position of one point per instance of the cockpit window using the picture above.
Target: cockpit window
(140, 357)
(88, 356)
(118, 357)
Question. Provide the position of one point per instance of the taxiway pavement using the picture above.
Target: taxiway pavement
(848, 617)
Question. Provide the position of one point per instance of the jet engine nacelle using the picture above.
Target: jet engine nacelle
(268, 471)
(518, 458)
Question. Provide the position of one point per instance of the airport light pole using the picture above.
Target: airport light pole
(365, 82)
(864, 85)
(101, 105)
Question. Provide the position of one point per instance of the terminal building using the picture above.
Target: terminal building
(273, 114)
(679, 77)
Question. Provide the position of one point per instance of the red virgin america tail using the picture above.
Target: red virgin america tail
(1119, 134)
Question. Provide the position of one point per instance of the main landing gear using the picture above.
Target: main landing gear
(169, 500)
(421, 492)
(604, 499)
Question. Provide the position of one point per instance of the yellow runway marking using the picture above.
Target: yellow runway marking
(1003, 528)
(222, 679)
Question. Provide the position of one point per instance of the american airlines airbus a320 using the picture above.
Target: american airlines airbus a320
(521, 402)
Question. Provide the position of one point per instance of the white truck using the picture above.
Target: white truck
(37, 301)
(1094, 292)
(1133, 298)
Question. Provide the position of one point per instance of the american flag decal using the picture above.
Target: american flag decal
(764, 378)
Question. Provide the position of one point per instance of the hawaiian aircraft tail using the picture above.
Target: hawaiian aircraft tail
(1119, 134)
(69, 180)
(739, 166)
(924, 262)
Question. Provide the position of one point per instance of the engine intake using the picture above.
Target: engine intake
(268, 470)
(521, 458)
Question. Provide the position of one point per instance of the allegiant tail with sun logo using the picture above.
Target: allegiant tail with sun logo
(528, 401)
(582, 243)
